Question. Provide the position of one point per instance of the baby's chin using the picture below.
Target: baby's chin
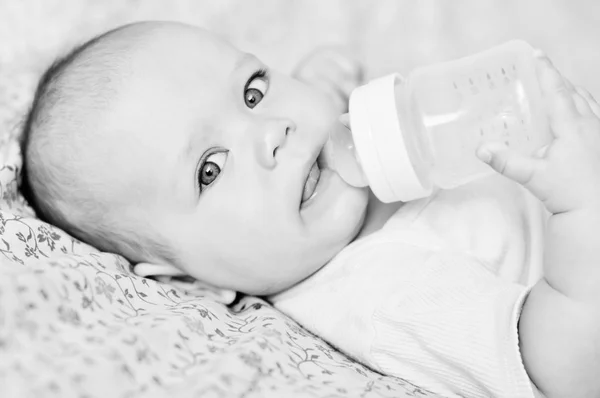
(344, 217)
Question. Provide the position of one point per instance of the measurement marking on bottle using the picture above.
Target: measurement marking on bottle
(490, 82)
(506, 78)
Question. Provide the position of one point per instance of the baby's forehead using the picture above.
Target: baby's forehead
(181, 68)
(175, 98)
(173, 43)
(188, 73)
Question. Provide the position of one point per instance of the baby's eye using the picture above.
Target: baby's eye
(256, 88)
(211, 168)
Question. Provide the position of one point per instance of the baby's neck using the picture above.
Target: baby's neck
(377, 215)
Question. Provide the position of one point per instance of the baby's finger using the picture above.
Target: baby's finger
(562, 110)
(541, 152)
(340, 65)
(593, 104)
(344, 61)
(331, 88)
(582, 105)
(522, 169)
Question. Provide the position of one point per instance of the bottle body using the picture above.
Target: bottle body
(410, 136)
(458, 105)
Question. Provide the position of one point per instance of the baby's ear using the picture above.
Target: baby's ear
(152, 270)
(172, 275)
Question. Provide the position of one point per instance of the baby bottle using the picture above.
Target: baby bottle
(410, 136)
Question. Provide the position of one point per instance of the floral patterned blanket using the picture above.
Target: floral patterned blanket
(76, 322)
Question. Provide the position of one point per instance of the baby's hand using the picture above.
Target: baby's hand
(565, 175)
(332, 70)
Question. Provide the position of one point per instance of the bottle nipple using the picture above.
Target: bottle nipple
(344, 158)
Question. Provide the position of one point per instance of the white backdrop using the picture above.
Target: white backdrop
(387, 34)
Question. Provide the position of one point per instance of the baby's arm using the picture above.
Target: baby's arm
(332, 70)
(559, 328)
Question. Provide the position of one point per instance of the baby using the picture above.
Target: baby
(169, 146)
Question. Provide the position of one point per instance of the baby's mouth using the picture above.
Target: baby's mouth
(310, 185)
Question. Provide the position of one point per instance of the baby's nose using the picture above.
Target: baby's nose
(275, 137)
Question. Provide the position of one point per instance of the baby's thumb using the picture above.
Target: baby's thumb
(520, 168)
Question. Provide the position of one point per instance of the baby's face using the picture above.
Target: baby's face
(219, 150)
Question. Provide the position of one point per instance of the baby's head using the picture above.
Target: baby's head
(167, 145)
